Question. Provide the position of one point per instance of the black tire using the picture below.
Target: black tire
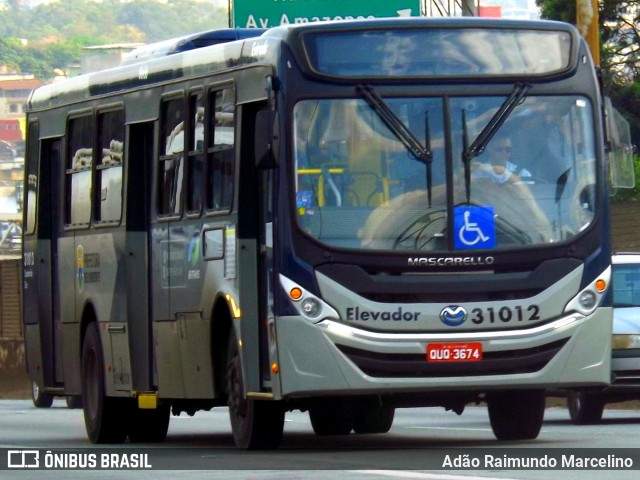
(331, 417)
(516, 414)
(256, 424)
(149, 425)
(373, 419)
(73, 401)
(584, 408)
(40, 399)
(105, 417)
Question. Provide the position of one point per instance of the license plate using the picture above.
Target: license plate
(454, 352)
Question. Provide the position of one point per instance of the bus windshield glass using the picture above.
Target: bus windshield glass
(453, 52)
(360, 185)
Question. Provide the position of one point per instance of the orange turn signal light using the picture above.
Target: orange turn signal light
(295, 293)
(601, 285)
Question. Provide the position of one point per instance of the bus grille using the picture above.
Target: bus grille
(509, 362)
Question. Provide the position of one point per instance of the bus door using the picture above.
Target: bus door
(42, 302)
(255, 252)
(140, 158)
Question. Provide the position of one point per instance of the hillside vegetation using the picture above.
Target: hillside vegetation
(50, 37)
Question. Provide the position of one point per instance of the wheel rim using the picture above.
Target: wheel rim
(35, 390)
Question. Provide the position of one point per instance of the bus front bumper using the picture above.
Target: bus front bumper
(332, 358)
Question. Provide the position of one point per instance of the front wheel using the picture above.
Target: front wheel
(585, 408)
(40, 399)
(373, 419)
(516, 414)
(256, 424)
(331, 416)
(105, 417)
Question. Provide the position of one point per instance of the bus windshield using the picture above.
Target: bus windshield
(360, 184)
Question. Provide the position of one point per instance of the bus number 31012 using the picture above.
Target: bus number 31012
(505, 314)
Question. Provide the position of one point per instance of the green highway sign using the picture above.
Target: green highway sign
(271, 13)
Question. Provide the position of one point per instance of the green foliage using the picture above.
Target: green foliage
(619, 27)
(51, 36)
(564, 10)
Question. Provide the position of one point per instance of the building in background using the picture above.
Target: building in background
(101, 57)
(14, 94)
(518, 9)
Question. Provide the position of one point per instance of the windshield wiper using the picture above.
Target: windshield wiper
(493, 125)
(422, 153)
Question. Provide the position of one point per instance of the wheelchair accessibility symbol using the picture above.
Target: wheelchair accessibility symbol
(475, 227)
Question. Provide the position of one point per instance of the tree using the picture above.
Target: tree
(619, 22)
(10, 49)
(621, 39)
(564, 10)
(51, 35)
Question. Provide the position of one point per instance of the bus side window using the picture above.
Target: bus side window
(195, 166)
(221, 153)
(171, 157)
(78, 172)
(109, 167)
(31, 177)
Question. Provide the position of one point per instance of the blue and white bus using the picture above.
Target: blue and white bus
(309, 219)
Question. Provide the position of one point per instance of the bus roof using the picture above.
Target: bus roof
(189, 42)
(208, 52)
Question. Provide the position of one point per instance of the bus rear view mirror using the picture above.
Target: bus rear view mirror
(266, 139)
(620, 149)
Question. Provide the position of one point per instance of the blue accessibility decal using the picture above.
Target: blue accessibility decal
(474, 227)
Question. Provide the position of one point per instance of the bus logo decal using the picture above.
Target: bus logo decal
(453, 315)
(80, 268)
(259, 49)
(143, 72)
(193, 252)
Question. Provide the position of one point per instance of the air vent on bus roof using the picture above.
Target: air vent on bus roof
(189, 42)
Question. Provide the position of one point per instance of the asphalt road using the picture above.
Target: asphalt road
(420, 441)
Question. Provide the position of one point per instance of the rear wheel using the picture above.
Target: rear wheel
(256, 424)
(149, 425)
(331, 417)
(516, 414)
(105, 417)
(40, 399)
(585, 408)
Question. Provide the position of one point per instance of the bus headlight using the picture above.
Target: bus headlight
(625, 341)
(311, 307)
(588, 299)
(308, 305)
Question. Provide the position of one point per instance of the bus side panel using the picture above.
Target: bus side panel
(69, 321)
(33, 306)
(186, 302)
(166, 330)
